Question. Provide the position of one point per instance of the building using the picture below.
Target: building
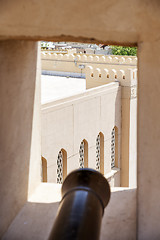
(27, 208)
(97, 113)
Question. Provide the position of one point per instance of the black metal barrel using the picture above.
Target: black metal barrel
(85, 194)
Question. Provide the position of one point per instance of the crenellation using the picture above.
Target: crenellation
(96, 58)
(104, 73)
(120, 75)
(71, 57)
(112, 75)
(60, 56)
(130, 77)
(121, 60)
(134, 60)
(128, 60)
(89, 72)
(65, 56)
(90, 58)
(97, 76)
(115, 60)
(54, 56)
(84, 58)
(108, 59)
(100, 60)
(78, 57)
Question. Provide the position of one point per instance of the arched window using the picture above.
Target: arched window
(44, 170)
(100, 153)
(61, 166)
(114, 147)
(83, 154)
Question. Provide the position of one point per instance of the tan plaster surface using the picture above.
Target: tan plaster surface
(34, 177)
(119, 221)
(17, 88)
(132, 22)
(71, 62)
(149, 142)
(66, 122)
(37, 216)
(103, 20)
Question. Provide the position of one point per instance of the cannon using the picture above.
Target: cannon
(85, 194)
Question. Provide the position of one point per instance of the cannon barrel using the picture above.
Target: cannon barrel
(85, 194)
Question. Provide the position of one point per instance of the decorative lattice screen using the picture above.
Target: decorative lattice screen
(81, 155)
(98, 143)
(60, 167)
(113, 148)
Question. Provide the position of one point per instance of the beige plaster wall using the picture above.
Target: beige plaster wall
(148, 141)
(128, 80)
(109, 22)
(99, 76)
(71, 62)
(17, 89)
(36, 218)
(35, 163)
(125, 22)
(133, 143)
(65, 123)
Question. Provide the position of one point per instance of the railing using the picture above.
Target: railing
(85, 194)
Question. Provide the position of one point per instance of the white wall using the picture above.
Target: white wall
(65, 123)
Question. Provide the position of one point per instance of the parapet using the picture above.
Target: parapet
(90, 58)
(95, 76)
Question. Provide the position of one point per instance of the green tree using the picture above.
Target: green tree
(128, 51)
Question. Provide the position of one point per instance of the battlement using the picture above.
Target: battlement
(96, 76)
(89, 58)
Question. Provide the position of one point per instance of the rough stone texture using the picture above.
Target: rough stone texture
(17, 87)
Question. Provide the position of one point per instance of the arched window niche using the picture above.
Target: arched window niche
(100, 153)
(83, 154)
(114, 147)
(44, 169)
(61, 166)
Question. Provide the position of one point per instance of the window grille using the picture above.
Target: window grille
(60, 167)
(113, 148)
(98, 142)
(81, 155)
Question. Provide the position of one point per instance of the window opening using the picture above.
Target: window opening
(83, 154)
(113, 147)
(61, 166)
(100, 153)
